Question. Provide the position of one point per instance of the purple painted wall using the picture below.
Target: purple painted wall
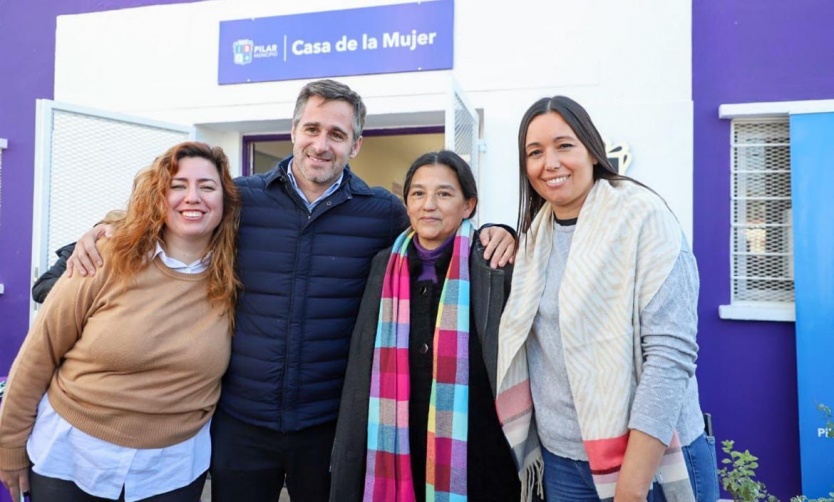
(27, 63)
(767, 50)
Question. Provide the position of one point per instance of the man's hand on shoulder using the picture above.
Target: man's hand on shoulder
(86, 258)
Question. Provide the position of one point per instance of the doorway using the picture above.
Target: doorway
(385, 156)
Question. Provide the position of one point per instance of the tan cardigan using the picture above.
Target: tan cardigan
(139, 366)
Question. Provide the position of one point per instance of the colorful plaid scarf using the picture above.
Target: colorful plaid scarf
(388, 469)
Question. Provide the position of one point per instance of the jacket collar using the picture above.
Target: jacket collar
(352, 183)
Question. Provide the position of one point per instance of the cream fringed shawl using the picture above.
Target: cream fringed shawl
(624, 246)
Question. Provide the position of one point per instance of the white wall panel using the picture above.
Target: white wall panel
(628, 61)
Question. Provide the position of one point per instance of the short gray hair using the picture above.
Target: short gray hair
(330, 90)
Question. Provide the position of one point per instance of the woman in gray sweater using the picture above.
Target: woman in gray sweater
(596, 373)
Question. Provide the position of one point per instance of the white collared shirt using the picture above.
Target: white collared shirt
(102, 469)
(194, 267)
(327, 193)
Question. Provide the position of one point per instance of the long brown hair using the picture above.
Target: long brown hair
(529, 201)
(135, 238)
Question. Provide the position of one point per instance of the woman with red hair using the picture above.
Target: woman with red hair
(112, 393)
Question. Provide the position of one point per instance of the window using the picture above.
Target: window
(761, 241)
(761, 247)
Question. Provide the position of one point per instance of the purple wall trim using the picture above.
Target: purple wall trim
(769, 50)
(255, 138)
(399, 131)
(27, 45)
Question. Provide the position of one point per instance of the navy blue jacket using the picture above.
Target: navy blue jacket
(303, 277)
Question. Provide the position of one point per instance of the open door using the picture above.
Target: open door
(85, 161)
(463, 130)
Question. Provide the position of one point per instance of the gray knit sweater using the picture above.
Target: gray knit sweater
(667, 396)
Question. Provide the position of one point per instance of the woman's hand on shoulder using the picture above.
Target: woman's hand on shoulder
(499, 245)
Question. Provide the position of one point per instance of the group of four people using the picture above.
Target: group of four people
(363, 346)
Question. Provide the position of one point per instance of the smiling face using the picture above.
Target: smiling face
(323, 143)
(195, 203)
(558, 165)
(436, 205)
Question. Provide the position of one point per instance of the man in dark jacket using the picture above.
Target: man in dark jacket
(43, 285)
(309, 230)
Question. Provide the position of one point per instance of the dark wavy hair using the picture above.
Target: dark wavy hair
(454, 162)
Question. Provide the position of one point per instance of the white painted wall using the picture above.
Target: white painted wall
(627, 61)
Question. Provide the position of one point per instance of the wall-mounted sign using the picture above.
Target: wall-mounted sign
(619, 155)
(810, 142)
(384, 39)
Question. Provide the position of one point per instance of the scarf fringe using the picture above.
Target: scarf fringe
(532, 477)
(623, 224)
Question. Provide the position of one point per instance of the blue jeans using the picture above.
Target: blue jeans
(567, 480)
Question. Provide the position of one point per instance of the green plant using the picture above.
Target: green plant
(740, 468)
(803, 498)
(829, 432)
(738, 473)
(829, 423)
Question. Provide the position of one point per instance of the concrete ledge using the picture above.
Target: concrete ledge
(774, 109)
(779, 312)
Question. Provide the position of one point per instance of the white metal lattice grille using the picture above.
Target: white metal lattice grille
(466, 134)
(92, 164)
(761, 240)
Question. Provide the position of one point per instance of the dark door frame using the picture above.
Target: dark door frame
(250, 139)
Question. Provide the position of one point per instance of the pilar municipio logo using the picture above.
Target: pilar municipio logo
(242, 50)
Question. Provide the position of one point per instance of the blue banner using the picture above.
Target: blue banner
(384, 39)
(812, 135)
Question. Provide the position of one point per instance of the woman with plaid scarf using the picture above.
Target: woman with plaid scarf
(417, 420)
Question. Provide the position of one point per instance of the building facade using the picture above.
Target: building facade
(161, 63)
(764, 53)
(654, 76)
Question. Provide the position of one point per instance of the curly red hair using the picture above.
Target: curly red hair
(136, 236)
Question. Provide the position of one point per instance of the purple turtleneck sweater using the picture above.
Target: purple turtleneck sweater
(428, 257)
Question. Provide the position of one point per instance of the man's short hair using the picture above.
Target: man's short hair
(331, 90)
